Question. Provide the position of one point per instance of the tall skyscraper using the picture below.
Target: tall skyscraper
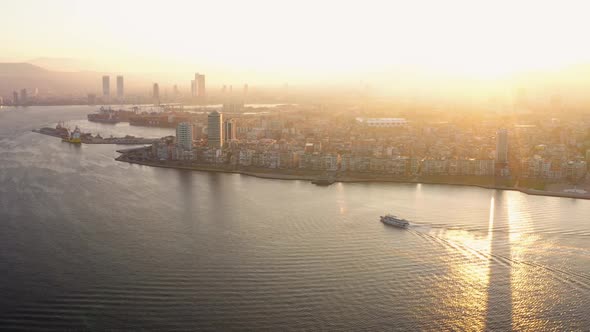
(24, 97)
(106, 86)
(200, 85)
(184, 136)
(229, 129)
(15, 100)
(156, 92)
(120, 87)
(215, 129)
(245, 94)
(502, 146)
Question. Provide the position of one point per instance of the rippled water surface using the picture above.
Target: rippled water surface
(90, 243)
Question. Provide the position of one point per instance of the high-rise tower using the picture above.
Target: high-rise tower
(502, 146)
(200, 91)
(215, 129)
(229, 130)
(106, 86)
(120, 87)
(156, 91)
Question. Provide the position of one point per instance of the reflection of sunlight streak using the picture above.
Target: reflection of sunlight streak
(341, 201)
(528, 290)
(516, 282)
(488, 269)
(519, 224)
(489, 260)
(514, 218)
(491, 223)
(472, 270)
(499, 297)
(418, 203)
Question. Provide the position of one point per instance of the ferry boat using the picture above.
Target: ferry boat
(392, 220)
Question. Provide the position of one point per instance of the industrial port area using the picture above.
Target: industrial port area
(76, 136)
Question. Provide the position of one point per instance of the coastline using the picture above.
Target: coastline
(309, 176)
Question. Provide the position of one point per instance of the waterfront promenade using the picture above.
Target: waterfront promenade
(308, 175)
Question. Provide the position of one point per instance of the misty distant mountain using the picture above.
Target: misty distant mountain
(62, 64)
(21, 69)
(17, 76)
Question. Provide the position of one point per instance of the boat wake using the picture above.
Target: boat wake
(574, 278)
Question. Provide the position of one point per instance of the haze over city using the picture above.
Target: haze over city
(294, 165)
(396, 46)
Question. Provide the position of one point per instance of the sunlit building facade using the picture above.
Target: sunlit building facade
(502, 146)
(200, 91)
(229, 130)
(184, 136)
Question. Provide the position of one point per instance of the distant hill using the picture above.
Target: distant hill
(62, 64)
(21, 69)
(17, 76)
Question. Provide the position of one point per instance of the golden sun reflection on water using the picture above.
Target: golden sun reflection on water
(518, 221)
(530, 284)
(502, 285)
(341, 201)
(470, 266)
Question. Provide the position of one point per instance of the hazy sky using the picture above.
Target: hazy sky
(300, 38)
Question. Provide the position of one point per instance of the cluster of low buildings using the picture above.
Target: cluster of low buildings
(305, 140)
(553, 150)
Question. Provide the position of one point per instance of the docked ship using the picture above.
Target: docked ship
(160, 120)
(59, 131)
(108, 115)
(74, 137)
(392, 220)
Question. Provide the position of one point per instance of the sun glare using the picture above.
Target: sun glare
(475, 39)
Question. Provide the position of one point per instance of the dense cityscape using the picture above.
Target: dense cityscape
(535, 149)
(348, 142)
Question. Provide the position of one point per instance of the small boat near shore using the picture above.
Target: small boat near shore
(324, 180)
